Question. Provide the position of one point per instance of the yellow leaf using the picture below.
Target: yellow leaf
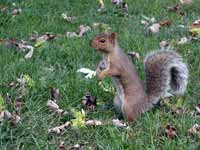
(195, 31)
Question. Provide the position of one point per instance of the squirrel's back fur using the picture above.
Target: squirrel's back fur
(165, 73)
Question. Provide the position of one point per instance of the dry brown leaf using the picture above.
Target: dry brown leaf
(83, 29)
(155, 28)
(93, 123)
(117, 1)
(166, 23)
(89, 101)
(16, 12)
(68, 18)
(164, 44)
(12, 118)
(1, 40)
(55, 94)
(3, 8)
(195, 130)
(21, 45)
(62, 146)
(174, 8)
(119, 123)
(21, 80)
(186, 1)
(170, 132)
(183, 40)
(145, 23)
(197, 108)
(2, 115)
(55, 108)
(60, 129)
(42, 39)
(71, 34)
(18, 105)
(102, 6)
(196, 24)
(134, 55)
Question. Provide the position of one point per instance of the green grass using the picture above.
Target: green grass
(66, 55)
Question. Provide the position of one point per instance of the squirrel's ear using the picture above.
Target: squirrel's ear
(113, 37)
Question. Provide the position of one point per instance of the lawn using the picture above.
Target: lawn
(55, 64)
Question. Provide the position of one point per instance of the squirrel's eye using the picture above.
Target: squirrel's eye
(102, 40)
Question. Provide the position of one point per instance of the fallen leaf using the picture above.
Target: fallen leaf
(62, 145)
(89, 101)
(145, 23)
(60, 129)
(183, 40)
(12, 43)
(79, 118)
(117, 1)
(83, 29)
(55, 108)
(124, 6)
(186, 1)
(195, 28)
(30, 53)
(71, 34)
(1, 115)
(195, 130)
(119, 123)
(80, 32)
(174, 8)
(21, 80)
(164, 44)
(195, 31)
(165, 23)
(170, 132)
(68, 18)
(1, 40)
(196, 24)
(29, 81)
(88, 73)
(55, 94)
(93, 123)
(155, 28)
(42, 39)
(12, 117)
(150, 20)
(102, 6)
(3, 8)
(197, 108)
(18, 105)
(16, 12)
(134, 55)
(34, 36)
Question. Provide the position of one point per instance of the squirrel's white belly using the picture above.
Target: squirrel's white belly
(119, 98)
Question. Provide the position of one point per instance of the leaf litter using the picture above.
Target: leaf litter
(22, 46)
(89, 101)
(80, 32)
(68, 18)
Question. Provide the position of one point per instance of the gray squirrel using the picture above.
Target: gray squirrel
(165, 73)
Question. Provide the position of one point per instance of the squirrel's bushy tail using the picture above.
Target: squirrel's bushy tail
(165, 73)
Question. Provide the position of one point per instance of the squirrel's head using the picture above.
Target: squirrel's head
(105, 42)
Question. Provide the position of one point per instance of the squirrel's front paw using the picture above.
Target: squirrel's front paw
(101, 76)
